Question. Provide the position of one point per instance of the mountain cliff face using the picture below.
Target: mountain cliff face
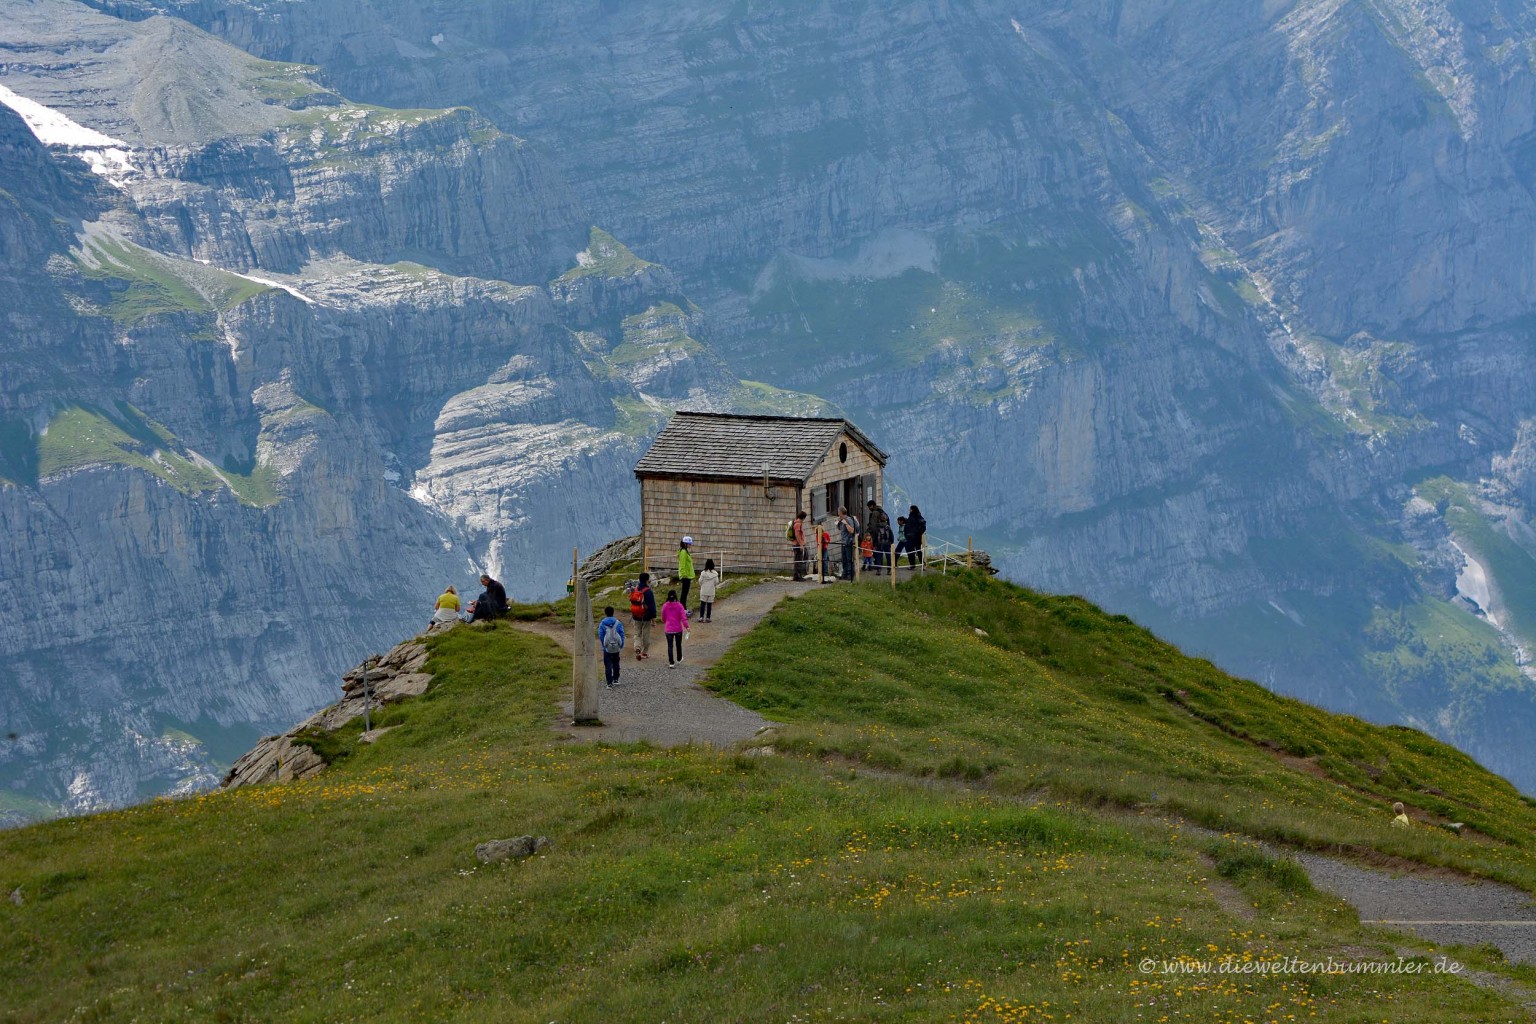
(280, 366)
(1216, 313)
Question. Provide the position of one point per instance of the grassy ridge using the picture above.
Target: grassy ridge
(1060, 696)
(694, 885)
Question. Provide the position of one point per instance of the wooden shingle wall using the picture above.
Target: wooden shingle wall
(728, 521)
(860, 463)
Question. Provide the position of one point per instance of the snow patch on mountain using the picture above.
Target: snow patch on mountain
(104, 155)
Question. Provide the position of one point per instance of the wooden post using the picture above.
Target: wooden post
(893, 565)
(969, 555)
(584, 690)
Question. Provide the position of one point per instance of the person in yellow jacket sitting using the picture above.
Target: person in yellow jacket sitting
(685, 567)
(447, 609)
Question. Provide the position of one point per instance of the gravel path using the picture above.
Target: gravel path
(1434, 908)
(667, 706)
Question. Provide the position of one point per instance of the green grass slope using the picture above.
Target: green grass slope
(954, 827)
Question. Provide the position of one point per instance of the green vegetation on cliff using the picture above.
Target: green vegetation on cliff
(79, 437)
(605, 256)
(954, 827)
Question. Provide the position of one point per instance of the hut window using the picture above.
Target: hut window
(842, 452)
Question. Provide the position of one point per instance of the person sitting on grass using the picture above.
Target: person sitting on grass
(610, 637)
(1401, 821)
(492, 602)
(447, 611)
(674, 619)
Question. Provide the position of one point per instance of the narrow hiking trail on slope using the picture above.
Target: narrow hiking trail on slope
(667, 706)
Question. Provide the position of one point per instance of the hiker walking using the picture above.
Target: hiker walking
(797, 537)
(674, 619)
(642, 610)
(610, 637)
(685, 566)
(708, 580)
(848, 536)
(447, 610)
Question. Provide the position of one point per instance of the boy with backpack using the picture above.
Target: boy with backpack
(610, 636)
(642, 610)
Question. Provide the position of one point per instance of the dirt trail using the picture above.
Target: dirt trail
(667, 706)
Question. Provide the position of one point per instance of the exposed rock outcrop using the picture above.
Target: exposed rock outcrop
(379, 680)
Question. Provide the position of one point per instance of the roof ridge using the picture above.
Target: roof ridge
(766, 416)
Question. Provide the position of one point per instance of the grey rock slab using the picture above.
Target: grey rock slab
(497, 850)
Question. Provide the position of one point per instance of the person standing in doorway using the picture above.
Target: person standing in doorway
(708, 580)
(798, 529)
(642, 610)
(685, 571)
(674, 619)
(610, 637)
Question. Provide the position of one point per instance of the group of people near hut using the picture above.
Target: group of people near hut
(874, 541)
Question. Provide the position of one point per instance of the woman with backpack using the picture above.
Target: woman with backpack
(912, 535)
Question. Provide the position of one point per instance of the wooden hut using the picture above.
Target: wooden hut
(732, 483)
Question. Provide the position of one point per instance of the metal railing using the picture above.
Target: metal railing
(933, 556)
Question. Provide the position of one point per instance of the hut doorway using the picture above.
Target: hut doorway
(851, 493)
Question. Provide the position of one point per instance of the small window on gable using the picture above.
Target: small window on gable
(842, 452)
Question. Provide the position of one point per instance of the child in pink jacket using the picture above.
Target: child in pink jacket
(674, 619)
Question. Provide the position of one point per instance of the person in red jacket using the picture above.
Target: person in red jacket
(642, 610)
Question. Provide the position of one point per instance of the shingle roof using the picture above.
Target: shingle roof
(710, 445)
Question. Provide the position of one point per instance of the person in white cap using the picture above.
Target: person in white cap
(685, 567)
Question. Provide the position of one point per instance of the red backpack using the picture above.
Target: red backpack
(637, 601)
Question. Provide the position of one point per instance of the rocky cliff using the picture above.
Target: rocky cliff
(281, 365)
(1216, 313)
(1175, 303)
